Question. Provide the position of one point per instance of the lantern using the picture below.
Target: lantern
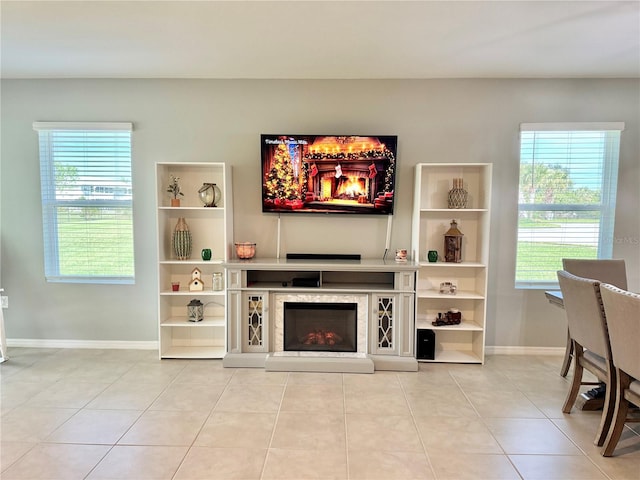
(209, 194)
(453, 244)
(195, 311)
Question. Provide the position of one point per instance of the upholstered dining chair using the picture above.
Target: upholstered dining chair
(622, 309)
(612, 271)
(590, 338)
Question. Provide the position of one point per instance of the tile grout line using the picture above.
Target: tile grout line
(546, 417)
(415, 425)
(142, 412)
(482, 419)
(275, 425)
(346, 430)
(203, 423)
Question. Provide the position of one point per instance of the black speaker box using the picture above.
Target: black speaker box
(426, 344)
(305, 282)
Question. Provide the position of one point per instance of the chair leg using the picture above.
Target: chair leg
(575, 382)
(620, 414)
(608, 408)
(568, 355)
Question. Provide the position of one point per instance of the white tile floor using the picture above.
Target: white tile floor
(123, 414)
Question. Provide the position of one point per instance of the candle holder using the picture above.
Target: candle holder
(195, 311)
(453, 244)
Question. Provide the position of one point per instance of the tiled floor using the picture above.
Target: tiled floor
(123, 414)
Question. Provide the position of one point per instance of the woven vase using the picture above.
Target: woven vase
(458, 195)
(181, 240)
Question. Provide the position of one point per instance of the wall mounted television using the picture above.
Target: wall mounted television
(352, 174)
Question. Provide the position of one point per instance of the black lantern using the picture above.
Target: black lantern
(195, 311)
(453, 244)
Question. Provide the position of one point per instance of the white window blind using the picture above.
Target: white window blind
(567, 197)
(85, 176)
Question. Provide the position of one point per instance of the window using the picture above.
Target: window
(85, 175)
(567, 197)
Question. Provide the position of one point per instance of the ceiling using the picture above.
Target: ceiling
(320, 39)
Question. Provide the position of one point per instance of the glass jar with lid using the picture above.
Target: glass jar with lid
(217, 281)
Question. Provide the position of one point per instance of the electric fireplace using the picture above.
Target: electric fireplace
(338, 319)
(321, 315)
(320, 327)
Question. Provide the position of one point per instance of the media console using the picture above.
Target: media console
(382, 293)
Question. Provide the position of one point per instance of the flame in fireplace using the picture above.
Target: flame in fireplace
(351, 187)
(322, 337)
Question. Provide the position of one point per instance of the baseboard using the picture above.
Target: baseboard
(115, 345)
(502, 350)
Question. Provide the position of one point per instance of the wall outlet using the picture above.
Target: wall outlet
(5, 301)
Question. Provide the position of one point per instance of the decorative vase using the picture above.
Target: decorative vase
(209, 194)
(182, 241)
(458, 195)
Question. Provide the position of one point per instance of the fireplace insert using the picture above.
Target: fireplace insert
(322, 327)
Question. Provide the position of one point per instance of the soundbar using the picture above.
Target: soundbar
(323, 256)
(305, 282)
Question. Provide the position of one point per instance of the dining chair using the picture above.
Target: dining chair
(590, 338)
(612, 271)
(622, 309)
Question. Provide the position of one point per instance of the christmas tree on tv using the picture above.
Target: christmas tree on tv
(281, 183)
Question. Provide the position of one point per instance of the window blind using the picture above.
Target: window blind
(567, 197)
(87, 192)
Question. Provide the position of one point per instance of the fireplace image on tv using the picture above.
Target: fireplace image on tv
(328, 174)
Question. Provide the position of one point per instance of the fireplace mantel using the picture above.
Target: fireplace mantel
(383, 290)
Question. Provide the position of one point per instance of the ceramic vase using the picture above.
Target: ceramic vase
(182, 241)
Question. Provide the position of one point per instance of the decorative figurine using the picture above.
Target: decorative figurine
(448, 288)
(452, 317)
(196, 284)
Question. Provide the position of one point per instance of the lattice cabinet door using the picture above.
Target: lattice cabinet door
(385, 314)
(256, 327)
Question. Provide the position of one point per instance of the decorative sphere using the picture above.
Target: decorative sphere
(209, 194)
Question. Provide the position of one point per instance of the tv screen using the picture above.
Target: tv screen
(328, 173)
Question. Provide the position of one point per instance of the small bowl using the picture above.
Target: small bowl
(245, 250)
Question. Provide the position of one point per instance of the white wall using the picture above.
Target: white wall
(211, 120)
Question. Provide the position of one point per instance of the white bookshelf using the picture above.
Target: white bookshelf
(463, 343)
(210, 227)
